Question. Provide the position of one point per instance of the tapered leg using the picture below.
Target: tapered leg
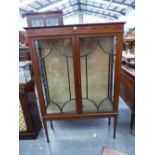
(51, 124)
(109, 121)
(132, 121)
(115, 126)
(46, 131)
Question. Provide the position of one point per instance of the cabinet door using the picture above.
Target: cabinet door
(97, 62)
(55, 59)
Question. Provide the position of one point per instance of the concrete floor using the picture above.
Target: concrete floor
(83, 137)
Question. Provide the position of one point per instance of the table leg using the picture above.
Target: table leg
(115, 126)
(46, 130)
(109, 121)
(132, 121)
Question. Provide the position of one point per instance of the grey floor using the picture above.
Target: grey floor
(83, 137)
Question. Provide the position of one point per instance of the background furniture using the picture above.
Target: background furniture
(23, 40)
(24, 53)
(129, 40)
(130, 43)
(128, 59)
(29, 119)
(127, 90)
(77, 70)
(39, 19)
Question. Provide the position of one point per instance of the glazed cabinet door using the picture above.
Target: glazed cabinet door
(55, 60)
(97, 68)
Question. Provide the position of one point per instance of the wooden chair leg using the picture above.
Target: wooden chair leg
(109, 121)
(46, 131)
(132, 121)
(115, 126)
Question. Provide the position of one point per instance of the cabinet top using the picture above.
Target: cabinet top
(48, 31)
(78, 25)
(42, 13)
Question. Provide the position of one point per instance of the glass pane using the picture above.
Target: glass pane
(52, 22)
(56, 70)
(97, 73)
(37, 22)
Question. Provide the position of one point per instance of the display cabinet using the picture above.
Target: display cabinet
(77, 70)
(50, 18)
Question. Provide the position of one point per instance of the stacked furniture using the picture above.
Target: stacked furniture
(29, 119)
(127, 86)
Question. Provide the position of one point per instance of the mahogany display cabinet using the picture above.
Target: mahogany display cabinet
(77, 70)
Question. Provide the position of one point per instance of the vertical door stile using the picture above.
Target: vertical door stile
(36, 76)
(77, 73)
(118, 69)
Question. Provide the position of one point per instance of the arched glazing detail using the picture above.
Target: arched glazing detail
(47, 47)
(64, 47)
(97, 58)
(97, 73)
(87, 46)
(107, 44)
(56, 70)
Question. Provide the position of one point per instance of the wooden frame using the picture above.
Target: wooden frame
(112, 29)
